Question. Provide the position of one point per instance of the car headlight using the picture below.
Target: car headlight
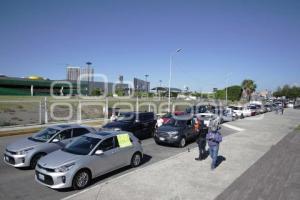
(25, 151)
(64, 168)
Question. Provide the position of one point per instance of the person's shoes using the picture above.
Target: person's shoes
(198, 159)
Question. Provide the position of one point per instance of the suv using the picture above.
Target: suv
(176, 131)
(141, 124)
(27, 151)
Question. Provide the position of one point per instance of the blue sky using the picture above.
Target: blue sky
(235, 39)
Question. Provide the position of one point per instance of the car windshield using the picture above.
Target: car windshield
(82, 146)
(44, 135)
(174, 122)
(125, 117)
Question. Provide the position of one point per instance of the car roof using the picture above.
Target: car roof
(182, 117)
(102, 134)
(66, 126)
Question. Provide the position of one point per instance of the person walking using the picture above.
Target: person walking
(214, 139)
(282, 108)
(201, 138)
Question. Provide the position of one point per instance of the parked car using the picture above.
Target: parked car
(177, 131)
(141, 124)
(88, 157)
(209, 119)
(168, 116)
(268, 107)
(238, 110)
(196, 109)
(27, 151)
(253, 110)
(228, 116)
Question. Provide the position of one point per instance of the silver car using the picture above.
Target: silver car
(27, 151)
(87, 157)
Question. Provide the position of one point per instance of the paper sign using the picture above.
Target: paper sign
(124, 140)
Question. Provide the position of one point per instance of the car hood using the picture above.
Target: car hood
(58, 158)
(116, 125)
(168, 129)
(22, 144)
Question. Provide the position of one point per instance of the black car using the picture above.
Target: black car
(177, 131)
(141, 124)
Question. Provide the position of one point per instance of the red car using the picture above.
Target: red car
(168, 116)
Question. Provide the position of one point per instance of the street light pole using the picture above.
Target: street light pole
(170, 77)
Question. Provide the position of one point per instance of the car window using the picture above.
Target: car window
(79, 131)
(107, 144)
(66, 134)
(189, 122)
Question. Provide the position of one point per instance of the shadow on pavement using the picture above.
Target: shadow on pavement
(220, 159)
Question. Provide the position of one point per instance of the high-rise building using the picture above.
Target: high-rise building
(73, 73)
(87, 74)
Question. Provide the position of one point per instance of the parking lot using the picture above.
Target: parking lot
(20, 183)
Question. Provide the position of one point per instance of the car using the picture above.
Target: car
(238, 110)
(253, 110)
(177, 131)
(196, 109)
(27, 151)
(141, 124)
(268, 107)
(88, 157)
(228, 116)
(168, 116)
(209, 119)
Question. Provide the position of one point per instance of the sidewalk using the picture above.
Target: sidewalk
(181, 177)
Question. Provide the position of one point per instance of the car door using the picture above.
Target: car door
(123, 153)
(64, 137)
(189, 129)
(108, 161)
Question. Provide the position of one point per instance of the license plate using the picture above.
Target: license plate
(41, 177)
(161, 138)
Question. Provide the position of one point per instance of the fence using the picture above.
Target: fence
(49, 110)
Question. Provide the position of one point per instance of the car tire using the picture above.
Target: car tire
(242, 116)
(136, 160)
(35, 159)
(81, 179)
(182, 142)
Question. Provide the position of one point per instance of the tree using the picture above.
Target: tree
(234, 93)
(96, 92)
(249, 87)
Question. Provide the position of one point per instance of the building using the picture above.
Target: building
(87, 74)
(141, 85)
(73, 73)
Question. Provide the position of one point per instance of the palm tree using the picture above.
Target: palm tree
(249, 87)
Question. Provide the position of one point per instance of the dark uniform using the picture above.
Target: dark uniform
(201, 140)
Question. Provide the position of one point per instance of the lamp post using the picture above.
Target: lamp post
(226, 89)
(170, 76)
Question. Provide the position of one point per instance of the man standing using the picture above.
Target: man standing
(201, 140)
(214, 139)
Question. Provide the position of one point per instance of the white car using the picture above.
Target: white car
(241, 111)
(209, 119)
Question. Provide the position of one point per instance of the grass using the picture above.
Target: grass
(297, 128)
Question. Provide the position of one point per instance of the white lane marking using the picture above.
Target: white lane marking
(126, 174)
(233, 127)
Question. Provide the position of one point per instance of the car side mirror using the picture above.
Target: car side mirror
(55, 140)
(99, 152)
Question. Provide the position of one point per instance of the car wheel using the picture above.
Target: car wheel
(182, 142)
(35, 159)
(136, 160)
(242, 116)
(81, 179)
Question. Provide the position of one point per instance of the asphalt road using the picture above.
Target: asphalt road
(20, 183)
